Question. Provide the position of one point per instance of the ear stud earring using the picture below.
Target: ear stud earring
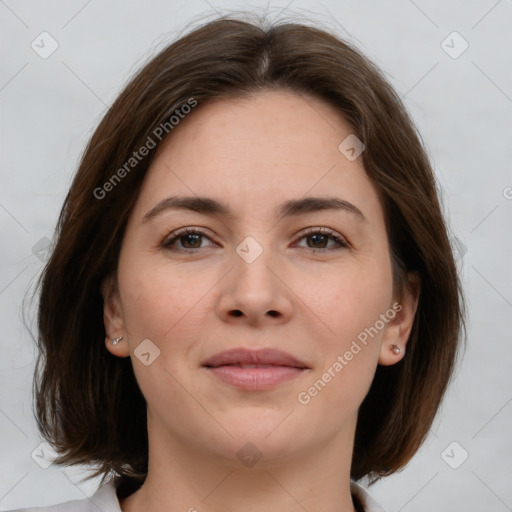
(394, 349)
(116, 340)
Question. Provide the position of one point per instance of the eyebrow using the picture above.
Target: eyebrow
(292, 207)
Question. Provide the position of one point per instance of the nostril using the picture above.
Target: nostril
(237, 312)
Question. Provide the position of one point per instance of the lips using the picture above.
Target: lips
(254, 358)
(254, 370)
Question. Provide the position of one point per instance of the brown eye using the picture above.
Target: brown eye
(185, 239)
(191, 240)
(318, 239)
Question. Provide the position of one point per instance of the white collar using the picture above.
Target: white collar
(105, 498)
(369, 504)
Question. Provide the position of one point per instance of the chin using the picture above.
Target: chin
(273, 434)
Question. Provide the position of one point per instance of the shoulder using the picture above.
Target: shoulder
(104, 499)
(369, 504)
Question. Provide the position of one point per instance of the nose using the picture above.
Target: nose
(255, 293)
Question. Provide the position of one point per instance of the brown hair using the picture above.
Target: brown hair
(88, 403)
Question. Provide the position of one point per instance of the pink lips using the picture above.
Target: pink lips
(254, 369)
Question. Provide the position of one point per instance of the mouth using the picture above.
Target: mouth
(254, 370)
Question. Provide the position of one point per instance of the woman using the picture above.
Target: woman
(252, 300)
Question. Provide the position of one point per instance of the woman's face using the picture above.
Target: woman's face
(262, 266)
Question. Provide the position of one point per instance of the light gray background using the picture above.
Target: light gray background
(463, 109)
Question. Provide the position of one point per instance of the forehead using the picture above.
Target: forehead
(282, 121)
(251, 151)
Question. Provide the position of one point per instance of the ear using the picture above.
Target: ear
(113, 318)
(399, 328)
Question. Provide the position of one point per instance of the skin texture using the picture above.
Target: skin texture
(253, 154)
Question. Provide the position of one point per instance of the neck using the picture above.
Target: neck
(185, 478)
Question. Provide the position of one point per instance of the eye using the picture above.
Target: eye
(320, 238)
(189, 238)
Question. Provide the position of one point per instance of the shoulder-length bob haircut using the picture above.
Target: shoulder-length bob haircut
(88, 404)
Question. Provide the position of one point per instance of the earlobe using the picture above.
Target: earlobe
(396, 335)
(113, 319)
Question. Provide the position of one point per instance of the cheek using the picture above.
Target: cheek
(161, 304)
(144, 298)
(157, 298)
(169, 305)
(351, 307)
(349, 299)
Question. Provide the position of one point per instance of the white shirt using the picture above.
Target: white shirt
(105, 499)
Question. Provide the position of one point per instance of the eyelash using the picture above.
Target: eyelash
(168, 243)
